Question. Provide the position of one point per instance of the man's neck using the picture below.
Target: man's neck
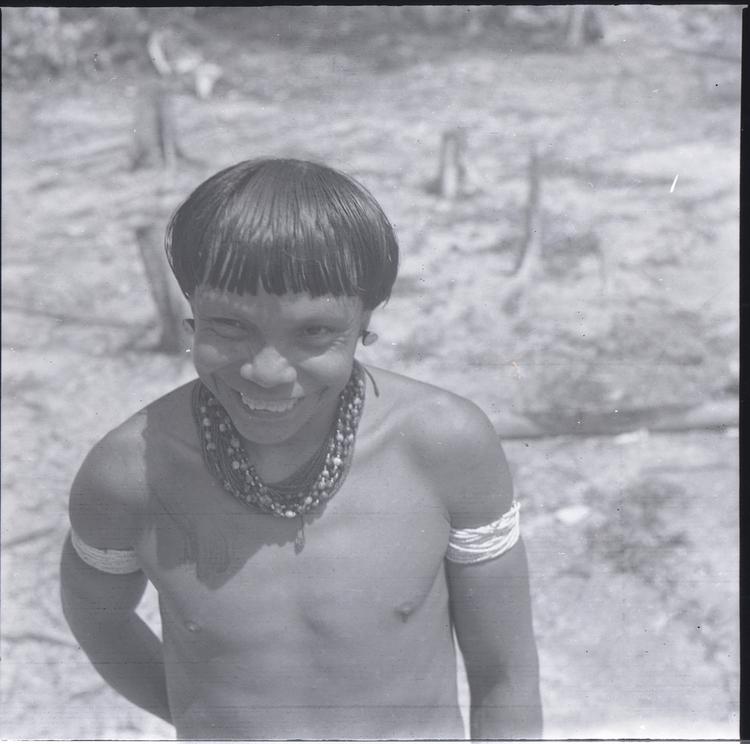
(276, 462)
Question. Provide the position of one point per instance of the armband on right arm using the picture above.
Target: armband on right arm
(108, 561)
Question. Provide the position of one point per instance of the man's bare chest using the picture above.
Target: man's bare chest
(372, 558)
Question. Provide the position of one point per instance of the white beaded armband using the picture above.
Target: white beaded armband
(485, 542)
(108, 561)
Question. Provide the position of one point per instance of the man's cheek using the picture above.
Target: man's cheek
(207, 357)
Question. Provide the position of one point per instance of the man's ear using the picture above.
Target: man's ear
(365, 320)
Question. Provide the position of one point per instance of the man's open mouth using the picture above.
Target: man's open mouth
(273, 406)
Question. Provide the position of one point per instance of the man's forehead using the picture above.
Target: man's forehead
(209, 298)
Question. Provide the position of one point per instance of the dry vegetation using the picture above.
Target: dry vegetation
(632, 539)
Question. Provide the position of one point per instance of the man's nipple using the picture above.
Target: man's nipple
(405, 609)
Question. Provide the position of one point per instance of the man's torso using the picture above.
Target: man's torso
(349, 638)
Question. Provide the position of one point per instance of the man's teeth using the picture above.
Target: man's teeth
(268, 405)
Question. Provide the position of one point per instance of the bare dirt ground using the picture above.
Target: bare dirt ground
(633, 540)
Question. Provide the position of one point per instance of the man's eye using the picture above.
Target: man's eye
(226, 327)
(317, 331)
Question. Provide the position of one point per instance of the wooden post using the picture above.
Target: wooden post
(154, 127)
(171, 304)
(154, 130)
(574, 31)
(583, 26)
(450, 180)
(157, 148)
(529, 263)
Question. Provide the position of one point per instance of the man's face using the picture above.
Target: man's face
(277, 363)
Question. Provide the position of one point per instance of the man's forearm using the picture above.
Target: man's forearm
(507, 711)
(128, 655)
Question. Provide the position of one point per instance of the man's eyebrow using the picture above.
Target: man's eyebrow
(321, 316)
(221, 317)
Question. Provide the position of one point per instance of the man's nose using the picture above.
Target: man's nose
(268, 369)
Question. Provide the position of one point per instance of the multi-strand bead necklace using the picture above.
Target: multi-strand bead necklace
(316, 481)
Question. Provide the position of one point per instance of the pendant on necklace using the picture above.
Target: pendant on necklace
(299, 540)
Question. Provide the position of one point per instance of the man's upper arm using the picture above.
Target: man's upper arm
(490, 601)
(105, 513)
(108, 493)
(460, 449)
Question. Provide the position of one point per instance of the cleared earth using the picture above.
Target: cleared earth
(632, 539)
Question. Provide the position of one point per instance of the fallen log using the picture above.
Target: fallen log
(570, 422)
(28, 537)
(721, 55)
(99, 146)
(43, 638)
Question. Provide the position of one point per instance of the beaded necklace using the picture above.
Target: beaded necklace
(316, 481)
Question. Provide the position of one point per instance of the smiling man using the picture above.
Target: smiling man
(316, 530)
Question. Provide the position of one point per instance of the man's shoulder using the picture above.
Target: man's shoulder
(434, 421)
(170, 417)
(115, 457)
(121, 451)
(453, 442)
(112, 484)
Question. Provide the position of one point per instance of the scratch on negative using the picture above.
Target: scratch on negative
(674, 183)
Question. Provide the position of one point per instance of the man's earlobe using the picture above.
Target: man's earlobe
(369, 338)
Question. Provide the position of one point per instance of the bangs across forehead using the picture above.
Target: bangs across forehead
(286, 226)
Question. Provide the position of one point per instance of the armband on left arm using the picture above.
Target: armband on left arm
(486, 542)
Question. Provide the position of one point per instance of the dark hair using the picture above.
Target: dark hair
(292, 225)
